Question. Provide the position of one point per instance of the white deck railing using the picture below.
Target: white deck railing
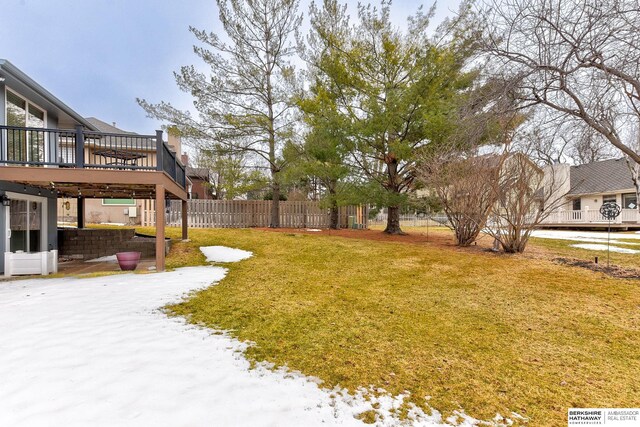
(590, 217)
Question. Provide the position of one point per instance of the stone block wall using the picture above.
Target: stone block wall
(91, 243)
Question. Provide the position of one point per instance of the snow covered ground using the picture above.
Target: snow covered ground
(99, 352)
(584, 236)
(602, 247)
(597, 238)
(224, 254)
(108, 258)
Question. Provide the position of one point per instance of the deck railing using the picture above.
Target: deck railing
(80, 148)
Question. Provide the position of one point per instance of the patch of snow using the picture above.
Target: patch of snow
(585, 236)
(601, 247)
(108, 258)
(224, 254)
(100, 352)
(313, 229)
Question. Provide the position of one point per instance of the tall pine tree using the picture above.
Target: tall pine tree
(245, 102)
(393, 89)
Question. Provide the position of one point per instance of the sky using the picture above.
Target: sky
(98, 56)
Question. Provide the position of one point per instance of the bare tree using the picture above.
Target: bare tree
(581, 59)
(634, 167)
(550, 138)
(525, 195)
(246, 101)
(589, 146)
(463, 184)
(455, 172)
(232, 175)
(545, 138)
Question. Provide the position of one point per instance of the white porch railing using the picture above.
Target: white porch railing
(590, 217)
(630, 215)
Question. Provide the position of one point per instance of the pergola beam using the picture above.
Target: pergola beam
(44, 177)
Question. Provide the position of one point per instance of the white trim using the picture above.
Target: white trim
(44, 220)
(624, 190)
(8, 89)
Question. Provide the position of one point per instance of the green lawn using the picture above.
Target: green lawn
(476, 331)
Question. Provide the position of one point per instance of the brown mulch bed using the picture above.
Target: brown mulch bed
(445, 240)
(613, 270)
(434, 237)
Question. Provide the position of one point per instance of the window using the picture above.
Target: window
(67, 154)
(576, 205)
(609, 198)
(118, 202)
(630, 201)
(24, 146)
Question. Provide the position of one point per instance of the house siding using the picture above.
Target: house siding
(2, 106)
(199, 190)
(52, 236)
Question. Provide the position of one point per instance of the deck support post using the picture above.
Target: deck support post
(80, 212)
(160, 220)
(79, 147)
(185, 233)
(159, 151)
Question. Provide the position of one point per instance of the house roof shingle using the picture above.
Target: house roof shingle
(106, 127)
(136, 142)
(201, 173)
(607, 176)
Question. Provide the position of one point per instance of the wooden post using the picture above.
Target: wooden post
(80, 212)
(160, 227)
(185, 225)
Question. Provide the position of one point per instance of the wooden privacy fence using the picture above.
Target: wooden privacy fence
(254, 213)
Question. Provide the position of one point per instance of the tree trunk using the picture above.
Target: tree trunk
(393, 212)
(335, 210)
(333, 218)
(275, 203)
(393, 220)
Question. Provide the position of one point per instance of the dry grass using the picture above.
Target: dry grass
(564, 248)
(475, 331)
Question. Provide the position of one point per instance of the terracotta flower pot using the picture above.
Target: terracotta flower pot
(128, 260)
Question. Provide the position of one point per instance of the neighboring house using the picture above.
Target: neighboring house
(49, 151)
(200, 179)
(200, 187)
(586, 187)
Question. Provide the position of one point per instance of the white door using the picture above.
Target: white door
(26, 223)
